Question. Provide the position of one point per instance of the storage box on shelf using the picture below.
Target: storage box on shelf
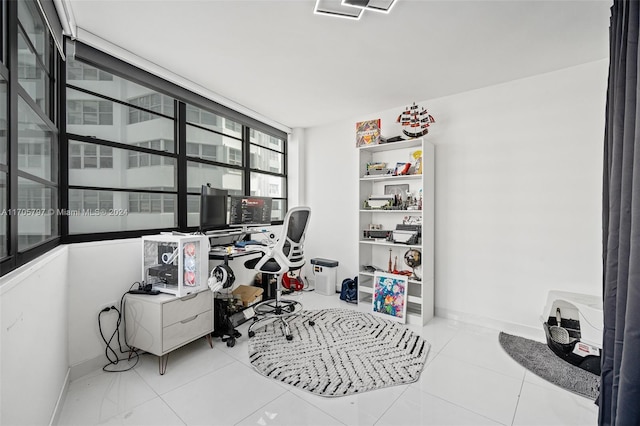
(378, 246)
(175, 264)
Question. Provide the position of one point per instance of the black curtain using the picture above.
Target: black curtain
(619, 399)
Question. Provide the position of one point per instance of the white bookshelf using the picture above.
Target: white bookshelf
(376, 251)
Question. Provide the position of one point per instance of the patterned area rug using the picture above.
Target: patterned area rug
(540, 360)
(344, 353)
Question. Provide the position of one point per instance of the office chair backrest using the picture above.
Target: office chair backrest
(291, 243)
(287, 254)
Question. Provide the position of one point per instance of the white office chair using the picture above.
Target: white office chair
(287, 254)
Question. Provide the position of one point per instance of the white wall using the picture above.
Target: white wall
(33, 339)
(518, 193)
(99, 274)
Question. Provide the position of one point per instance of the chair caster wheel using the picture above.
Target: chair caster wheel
(231, 342)
(289, 337)
(251, 334)
(312, 323)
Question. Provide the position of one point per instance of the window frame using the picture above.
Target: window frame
(51, 67)
(184, 99)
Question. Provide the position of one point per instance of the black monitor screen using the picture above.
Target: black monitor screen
(213, 208)
(248, 210)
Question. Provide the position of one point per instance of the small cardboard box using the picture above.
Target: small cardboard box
(248, 294)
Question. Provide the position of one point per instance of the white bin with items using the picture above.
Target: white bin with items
(325, 272)
(573, 324)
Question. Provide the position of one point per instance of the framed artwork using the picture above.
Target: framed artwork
(368, 133)
(401, 190)
(390, 296)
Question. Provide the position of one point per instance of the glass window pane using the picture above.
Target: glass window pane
(193, 210)
(218, 147)
(278, 210)
(211, 121)
(38, 223)
(264, 159)
(268, 186)
(119, 168)
(33, 133)
(125, 214)
(3, 121)
(218, 177)
(108, 120)
(3, 218)
(34, 26)
(258, 138)
(123, 90)
(32, 77)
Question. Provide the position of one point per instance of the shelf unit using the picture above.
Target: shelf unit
(376, 252)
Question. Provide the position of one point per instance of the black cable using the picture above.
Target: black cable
(110, 353)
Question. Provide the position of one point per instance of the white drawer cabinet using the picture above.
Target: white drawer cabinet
(161, 323)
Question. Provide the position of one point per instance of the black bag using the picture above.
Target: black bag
(349, 291)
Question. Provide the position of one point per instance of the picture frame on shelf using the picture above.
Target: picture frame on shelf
(401, 189)
(390, 296)
(367, 133)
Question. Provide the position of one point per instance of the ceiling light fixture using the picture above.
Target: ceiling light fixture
(383, 6)
(337, 9)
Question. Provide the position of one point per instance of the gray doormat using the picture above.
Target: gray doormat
(540, 360)
(344, 353)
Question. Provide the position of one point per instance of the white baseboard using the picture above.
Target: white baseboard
(55, 416)
(521, 330)
(87, 367)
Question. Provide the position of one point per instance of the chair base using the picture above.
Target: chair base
(276, 310)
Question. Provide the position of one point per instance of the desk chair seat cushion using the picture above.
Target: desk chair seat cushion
(271, 266)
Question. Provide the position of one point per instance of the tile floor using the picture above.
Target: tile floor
(468, 380)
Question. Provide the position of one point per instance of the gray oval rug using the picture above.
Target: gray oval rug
(540, 360)
(345, 352)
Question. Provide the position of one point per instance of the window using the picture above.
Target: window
(29, 161)
(157, 132)
(268, 172)
(142, 159)
(79, 71)
(89, 112)
(80, 201)
(88, 156)
(151, 203)
(155, 102)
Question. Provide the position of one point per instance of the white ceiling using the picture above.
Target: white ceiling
(299, 69)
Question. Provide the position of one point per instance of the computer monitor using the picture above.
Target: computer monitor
(247, 210)
(213, 208)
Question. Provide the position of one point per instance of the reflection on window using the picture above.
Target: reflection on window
(3, 121)
(36, 228)
(264, 159)
(206, 152)
(34, 27)
(3, 218)
(77, 70)
(235, 156)
(32, 76)
(268, 185)
(258, 138)
(90, 200)
(157, 211)
(89, 112)
(142, 159)
(155, 102)
(233, 126)
(89, 156)
(204, 118)
(34, 143)
(219, 177)
(151, 203)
